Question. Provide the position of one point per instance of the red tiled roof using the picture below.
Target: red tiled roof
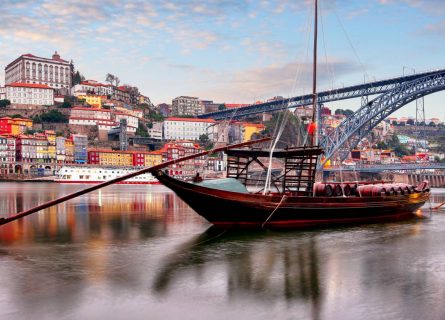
(28, 85)
(190, 120)
(96, 119)
(98, 84)
(125, 114)
(91, 109)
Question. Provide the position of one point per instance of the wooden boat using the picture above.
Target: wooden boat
(296, 201)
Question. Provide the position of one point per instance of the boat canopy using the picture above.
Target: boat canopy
(227, 184)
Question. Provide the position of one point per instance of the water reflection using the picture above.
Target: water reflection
(260, 265)
(110, 213)
(129, 253)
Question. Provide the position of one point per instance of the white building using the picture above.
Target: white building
(186, 128)
(102, 118)
(156, 131)
(187, 106)
(55, 72)
(132, 121)
(92, 86)
(90, 113)
(29, 94)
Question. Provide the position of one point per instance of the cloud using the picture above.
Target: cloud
(437, 29)
(435, 7)
(266, 82)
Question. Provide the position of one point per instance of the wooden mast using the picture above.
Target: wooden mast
(312, 128)
(314, 138)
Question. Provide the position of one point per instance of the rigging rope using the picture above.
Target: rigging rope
(283, 116)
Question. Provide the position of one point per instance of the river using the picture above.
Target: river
(139, 252)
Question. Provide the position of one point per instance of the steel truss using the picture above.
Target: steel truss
(349, 133)
(357, 91)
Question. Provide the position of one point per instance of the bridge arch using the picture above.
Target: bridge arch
(354, 128)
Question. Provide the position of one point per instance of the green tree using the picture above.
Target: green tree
(345, 112)
(410, 122)
(16, 116)
(4, 103)
(205, 142)
(77, 78)
(141, 130)
(65, 104)
(52, 116)
(222, 107)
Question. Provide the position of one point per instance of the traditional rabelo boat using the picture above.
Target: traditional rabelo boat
(295, 200)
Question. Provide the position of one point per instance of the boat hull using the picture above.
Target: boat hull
(233, 209)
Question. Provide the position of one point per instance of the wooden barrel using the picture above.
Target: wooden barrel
(323, 190)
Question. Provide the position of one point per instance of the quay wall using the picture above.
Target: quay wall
(435, 180)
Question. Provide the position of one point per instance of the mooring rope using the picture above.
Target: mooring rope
(270, 216)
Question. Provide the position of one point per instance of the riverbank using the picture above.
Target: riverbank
(25, 178)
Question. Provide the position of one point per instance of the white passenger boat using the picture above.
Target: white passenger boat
(95, 174)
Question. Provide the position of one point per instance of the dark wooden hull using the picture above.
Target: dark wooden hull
(233, 209)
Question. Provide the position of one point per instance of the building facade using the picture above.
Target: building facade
(92, 87)
(14, 126)
(186, 128)
(29, 94)
(7, 154)
(187, 106)
(54, 72)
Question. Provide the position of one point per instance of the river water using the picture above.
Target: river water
(139, 252)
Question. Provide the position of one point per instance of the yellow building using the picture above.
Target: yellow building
(250, 129)
(110, 158)
(152, 159)
(14, 126)
(69, 150)
(93, 100)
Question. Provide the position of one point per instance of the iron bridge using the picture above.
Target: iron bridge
(391, 95)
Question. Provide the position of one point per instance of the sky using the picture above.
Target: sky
(232, 51)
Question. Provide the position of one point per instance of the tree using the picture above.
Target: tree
(17, 115)
(346, 112)
(65, 104)
(77, 78)
(142, 131)
(410, 122)
(52, 116)
(4, 103)
(112, 79)
(222, 107)
(205, 142)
